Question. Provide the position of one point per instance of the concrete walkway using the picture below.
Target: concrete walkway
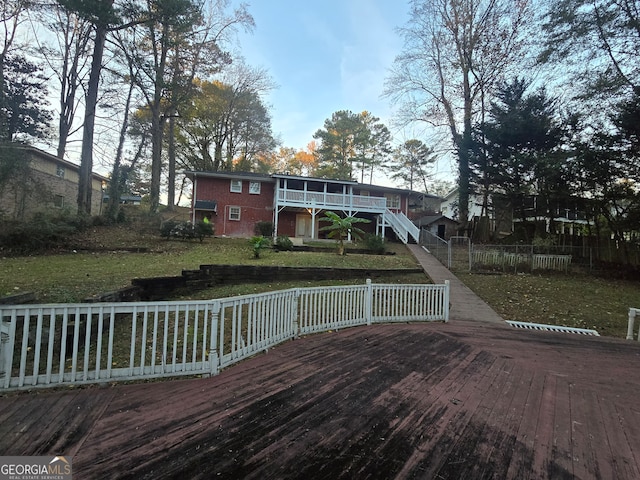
(465, 305)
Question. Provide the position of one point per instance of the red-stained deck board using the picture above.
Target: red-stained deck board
(448, 401)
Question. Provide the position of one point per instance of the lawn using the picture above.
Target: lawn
(571, 300)
(72, 276)
(574, 300)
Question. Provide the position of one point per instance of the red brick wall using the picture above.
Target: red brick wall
(253, 207)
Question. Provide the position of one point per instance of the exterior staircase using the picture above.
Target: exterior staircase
(402, 226)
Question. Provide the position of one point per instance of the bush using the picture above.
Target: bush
(203, 229)
(376, 243)
(284, 243)
(186, 230)
(263, 229)
(46, 231)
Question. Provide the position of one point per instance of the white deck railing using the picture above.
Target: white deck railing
(331, 200)
(52, 345)
(632, 317)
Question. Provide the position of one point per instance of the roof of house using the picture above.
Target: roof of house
(61, 161)
(263, 177)
(430, 219)
(192, 174)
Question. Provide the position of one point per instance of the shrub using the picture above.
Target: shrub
(258, 243)
(375, 243)
(186, 230)
(263, 229)
(45, 231)
(284, 243)
(203, 229)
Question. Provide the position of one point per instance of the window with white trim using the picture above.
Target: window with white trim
(236, 186)
(393, 201)
(254, 188)
(234, 213)
(60, 171)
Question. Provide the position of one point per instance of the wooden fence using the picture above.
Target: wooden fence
(61, 344)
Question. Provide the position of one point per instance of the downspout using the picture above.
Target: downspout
(193, 199)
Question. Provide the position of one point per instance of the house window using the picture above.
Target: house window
(60, 171)
(234, 213)
(58, 201)
(254, 188)
(236, 186)
(393, 201)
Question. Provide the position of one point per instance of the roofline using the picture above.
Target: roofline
(53, 158)
(231, 175)
(252, 176)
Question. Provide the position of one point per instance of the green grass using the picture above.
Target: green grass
(71, 277)
(573, 300)
(570, 300)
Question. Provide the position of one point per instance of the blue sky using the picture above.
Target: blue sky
(324, 56)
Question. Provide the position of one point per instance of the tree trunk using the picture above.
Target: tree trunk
(86, 156)
(171, 188)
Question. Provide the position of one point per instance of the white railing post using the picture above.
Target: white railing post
(295, 314)
(214, 358)
(369, 302)
(447, 291)
(632, 317)
(5, 359)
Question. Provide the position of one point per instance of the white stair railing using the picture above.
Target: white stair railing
(403, 226)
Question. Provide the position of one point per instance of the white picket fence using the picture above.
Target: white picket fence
(632, 317)
(61, 344)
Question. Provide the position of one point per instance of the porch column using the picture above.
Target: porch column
(276, 211)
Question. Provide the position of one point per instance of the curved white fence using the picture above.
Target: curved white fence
(58, 344)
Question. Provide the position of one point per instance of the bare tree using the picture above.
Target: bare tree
(454, 52)
(66, 54)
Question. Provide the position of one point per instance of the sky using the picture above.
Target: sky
(324, 56)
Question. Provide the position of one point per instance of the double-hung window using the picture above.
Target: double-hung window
(236, 186)
(254, 188)
(234, 213)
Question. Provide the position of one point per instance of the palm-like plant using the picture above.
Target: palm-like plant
(341, 228)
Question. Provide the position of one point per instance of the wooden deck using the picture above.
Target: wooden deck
(463, 400)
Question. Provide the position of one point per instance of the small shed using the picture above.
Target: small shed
(440, 225)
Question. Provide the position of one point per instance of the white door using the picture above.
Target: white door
(303, 226)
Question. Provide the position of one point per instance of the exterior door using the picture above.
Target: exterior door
(303, 226)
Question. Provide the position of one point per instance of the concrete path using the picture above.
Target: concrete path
(465, 305)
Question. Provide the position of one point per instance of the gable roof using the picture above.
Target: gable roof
(431, 219)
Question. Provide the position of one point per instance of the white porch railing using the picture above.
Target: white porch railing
(632, 317)
(52, 345)
(302, 198)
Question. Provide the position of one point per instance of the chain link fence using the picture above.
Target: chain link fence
(459, 254)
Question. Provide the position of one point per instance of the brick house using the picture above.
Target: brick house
(46, 182)
(236, 201)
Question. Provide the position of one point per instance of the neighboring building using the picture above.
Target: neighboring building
(235, 202)
(564, 216)
(439, 225)
(47, 182)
